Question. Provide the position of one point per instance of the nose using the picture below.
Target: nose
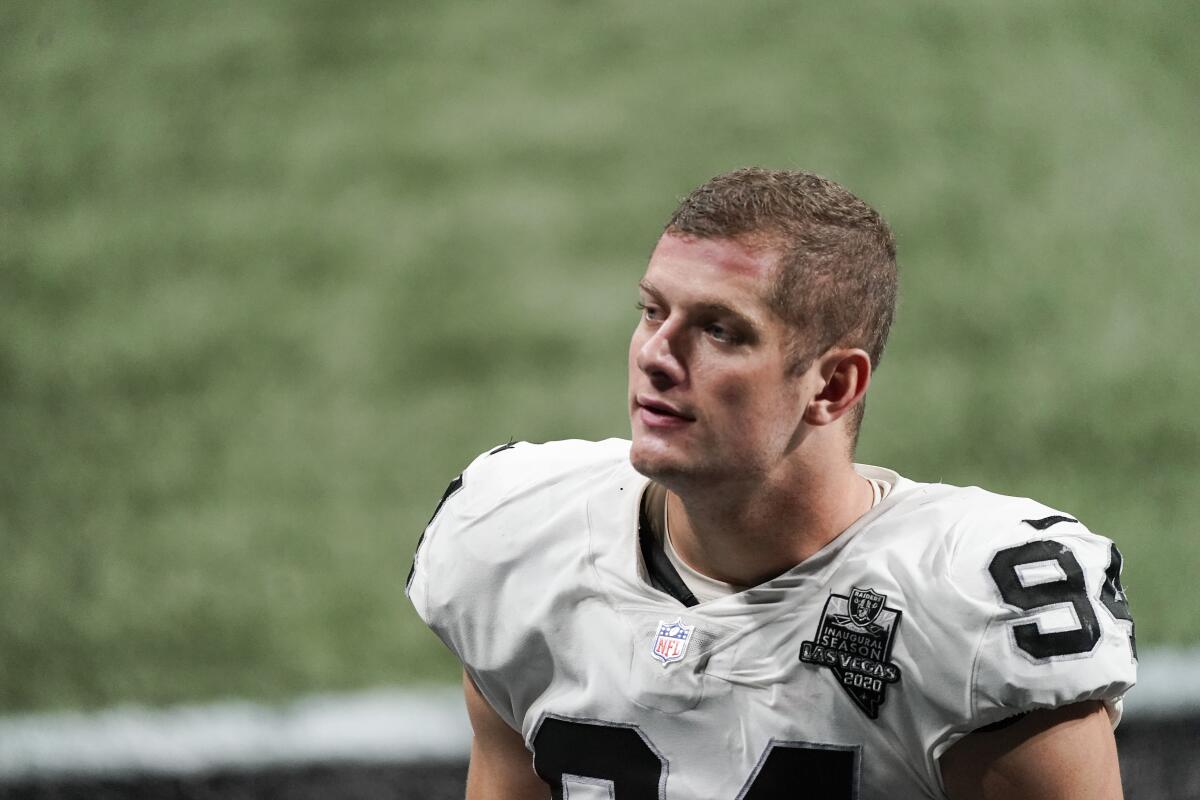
(659, 360)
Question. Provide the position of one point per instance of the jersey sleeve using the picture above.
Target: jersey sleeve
(449, 584)
(1059, 629)
(505, 548)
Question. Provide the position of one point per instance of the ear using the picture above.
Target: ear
(846, 373)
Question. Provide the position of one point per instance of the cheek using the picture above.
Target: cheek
(747, 402)
(735, 395)
(758, 405)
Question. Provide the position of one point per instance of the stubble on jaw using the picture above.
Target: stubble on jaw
(662, 467)
(688, 476)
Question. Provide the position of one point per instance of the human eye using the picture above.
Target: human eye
(721, 333)
(649, 312)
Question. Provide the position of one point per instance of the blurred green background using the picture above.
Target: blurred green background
(272, 272)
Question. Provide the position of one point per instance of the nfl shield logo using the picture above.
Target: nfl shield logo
(671, 643)
(865, 605)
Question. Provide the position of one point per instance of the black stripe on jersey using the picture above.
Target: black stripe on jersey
(454, 486)
(1046, 522)
(659, 569)
(511, 444)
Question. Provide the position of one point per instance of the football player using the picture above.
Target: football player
(727, 606)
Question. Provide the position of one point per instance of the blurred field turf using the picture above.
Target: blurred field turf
(271, 273)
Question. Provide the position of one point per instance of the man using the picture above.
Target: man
(729, 607)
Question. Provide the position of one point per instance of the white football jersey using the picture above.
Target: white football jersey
(940, 611)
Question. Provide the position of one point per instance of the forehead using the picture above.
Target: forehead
(727, 271)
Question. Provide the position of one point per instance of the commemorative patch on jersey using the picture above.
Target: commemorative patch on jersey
(671, 641)
(854, 639)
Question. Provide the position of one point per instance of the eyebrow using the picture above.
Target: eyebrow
(711, 306)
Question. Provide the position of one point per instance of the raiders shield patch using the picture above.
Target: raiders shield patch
(854, 639)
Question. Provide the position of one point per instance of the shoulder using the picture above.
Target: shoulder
(1016, 557)
(508, 539)
(521, 468)
(513, 486)
(971, 525)
(995, 539)
(1018, 604)
(1055, 627)
(513, 510)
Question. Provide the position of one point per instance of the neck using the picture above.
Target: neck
(747, 533)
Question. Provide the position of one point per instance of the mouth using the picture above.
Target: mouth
(660, 414)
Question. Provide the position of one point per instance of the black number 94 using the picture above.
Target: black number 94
(1067, 587)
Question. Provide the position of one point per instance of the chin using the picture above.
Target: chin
(650, 461)
(660, 464)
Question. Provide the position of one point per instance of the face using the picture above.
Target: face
(710, 392)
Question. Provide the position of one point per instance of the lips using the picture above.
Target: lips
(655, 411)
